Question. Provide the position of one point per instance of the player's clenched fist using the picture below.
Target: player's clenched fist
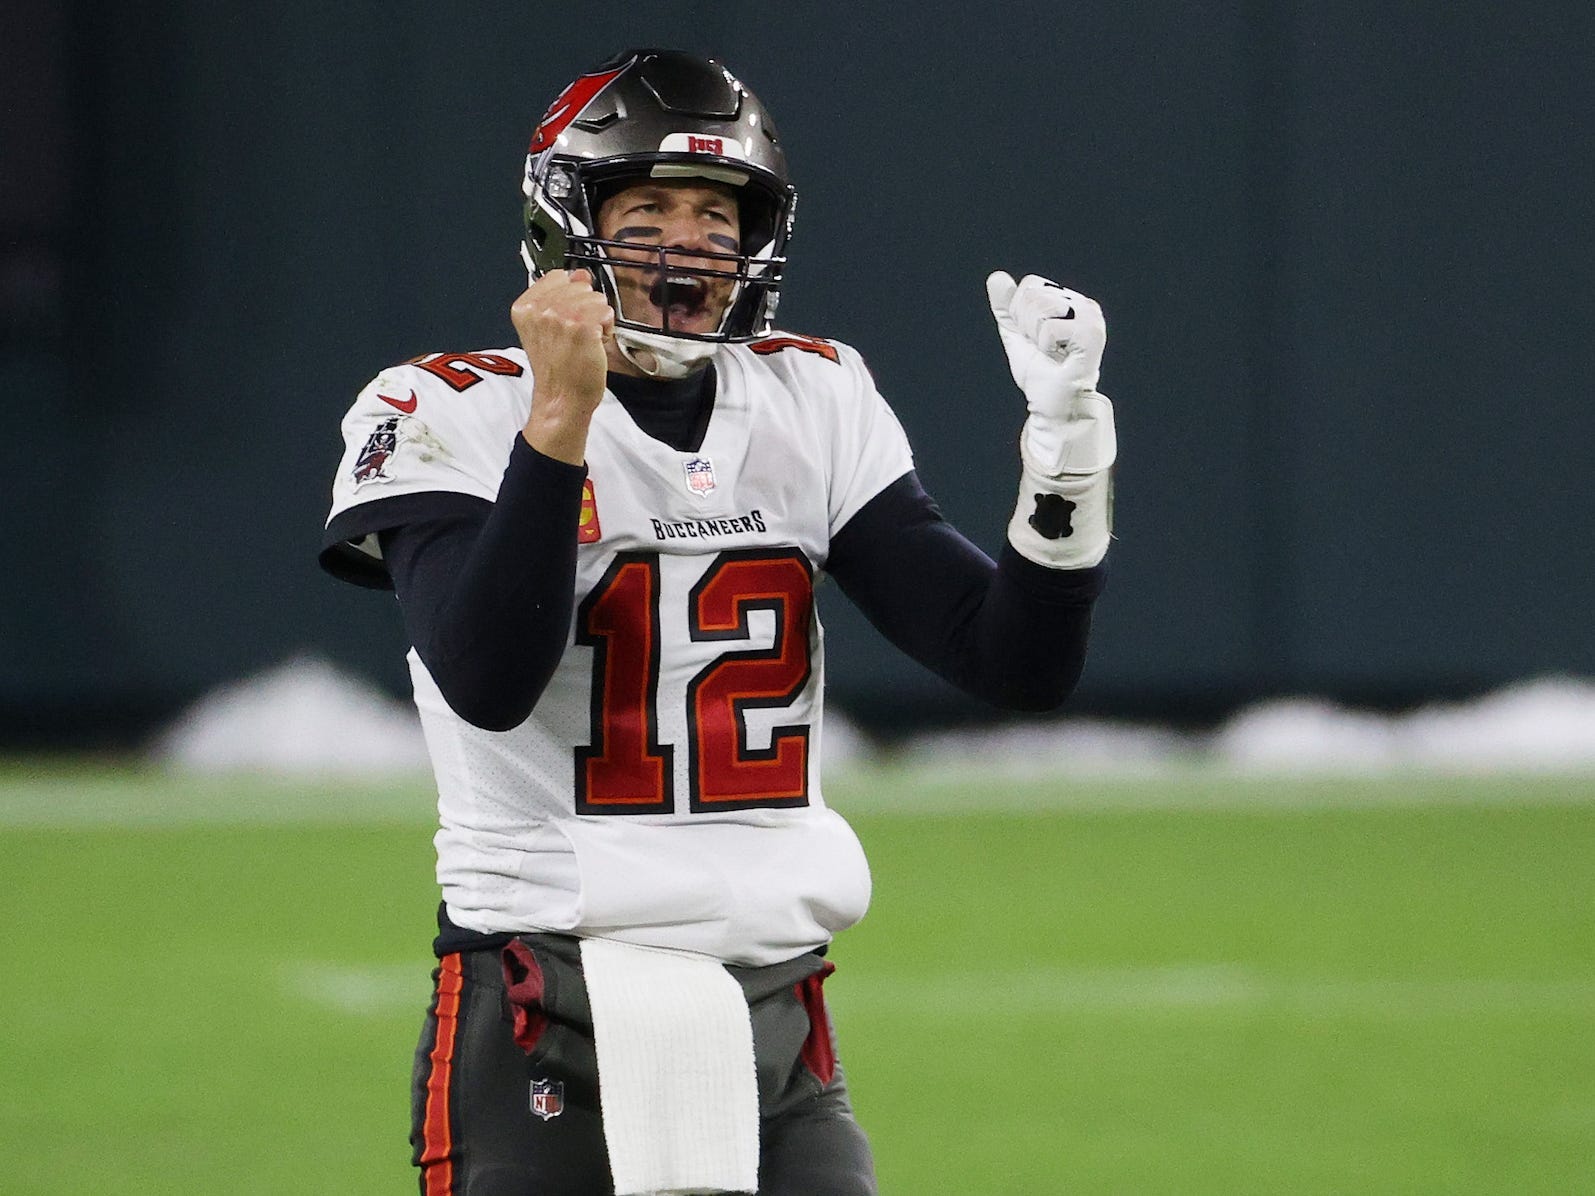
(564, 326)
(1054, 338)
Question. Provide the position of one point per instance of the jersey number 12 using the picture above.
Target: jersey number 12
(626, 770)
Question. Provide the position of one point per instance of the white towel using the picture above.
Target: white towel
(676, 1079)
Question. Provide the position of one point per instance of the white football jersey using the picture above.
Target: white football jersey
(666, 789)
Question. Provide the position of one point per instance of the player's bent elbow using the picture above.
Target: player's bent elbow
(495, 722)
(490, 715)
(1033, 695)
(494, 691)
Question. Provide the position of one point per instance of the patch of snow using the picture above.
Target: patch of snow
(308, 717)
(1047, 748)
(303, 717)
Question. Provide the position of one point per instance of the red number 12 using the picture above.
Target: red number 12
(627, 770)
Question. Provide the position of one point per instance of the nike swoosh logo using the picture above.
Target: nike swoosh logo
(405, 405)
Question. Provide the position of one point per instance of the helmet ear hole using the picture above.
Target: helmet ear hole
(602, 191)
(760, 211)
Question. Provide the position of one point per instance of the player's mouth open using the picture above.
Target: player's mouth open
(682, 296)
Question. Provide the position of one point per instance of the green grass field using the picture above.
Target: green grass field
(1187, 985)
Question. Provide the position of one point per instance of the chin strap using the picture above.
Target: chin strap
(661, 356)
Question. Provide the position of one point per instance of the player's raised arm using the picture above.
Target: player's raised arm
(564, 326)
(1012, 632)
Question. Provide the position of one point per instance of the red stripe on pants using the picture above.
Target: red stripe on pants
(437, 1168)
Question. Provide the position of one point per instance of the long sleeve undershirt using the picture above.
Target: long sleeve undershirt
(487, 589)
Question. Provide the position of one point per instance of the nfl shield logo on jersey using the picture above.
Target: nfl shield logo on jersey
(700, 474)
(548, 1098)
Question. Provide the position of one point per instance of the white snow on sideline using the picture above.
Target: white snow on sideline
(303, 717)
(1546, 725)
(1307, 735)
(843, 745)
(1063, 746)
(307, 717)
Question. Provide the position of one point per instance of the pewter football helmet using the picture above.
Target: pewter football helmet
(660, 114)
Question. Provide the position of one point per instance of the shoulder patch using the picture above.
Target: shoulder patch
(371, 464)
(804, 344)
(395, 433)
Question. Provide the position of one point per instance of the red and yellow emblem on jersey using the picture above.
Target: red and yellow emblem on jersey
(587, 529)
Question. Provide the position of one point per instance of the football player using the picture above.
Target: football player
(605, 541)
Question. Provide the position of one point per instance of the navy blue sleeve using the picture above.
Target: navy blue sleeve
(487, 593)
(1012, 632)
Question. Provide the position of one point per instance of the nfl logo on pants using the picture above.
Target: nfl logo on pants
(548, 1098)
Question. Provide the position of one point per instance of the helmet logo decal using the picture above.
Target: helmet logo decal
(569, 105)
(702, 143)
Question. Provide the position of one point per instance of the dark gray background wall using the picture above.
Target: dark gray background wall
(1345, 251)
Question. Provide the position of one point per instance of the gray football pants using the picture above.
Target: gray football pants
(490, 1118)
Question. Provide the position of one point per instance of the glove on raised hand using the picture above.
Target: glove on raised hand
(1054, 339)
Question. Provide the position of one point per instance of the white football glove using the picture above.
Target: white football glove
(1054, 339)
